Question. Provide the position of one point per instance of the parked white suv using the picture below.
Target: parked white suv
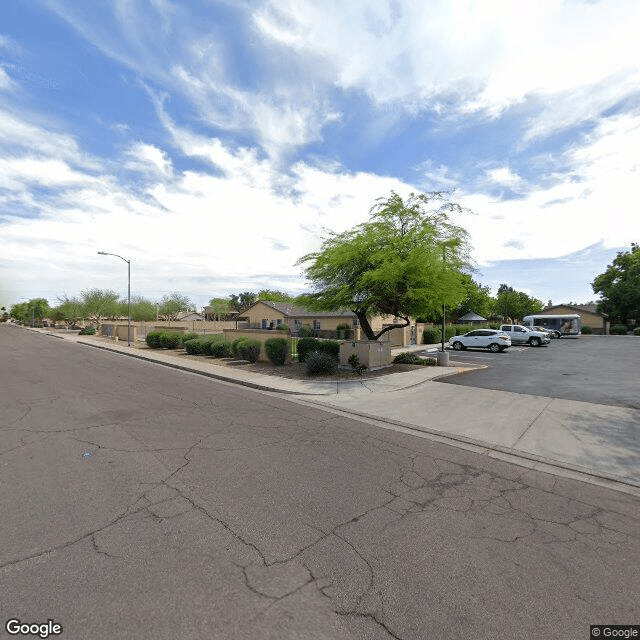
(481, 339)
(524, 335)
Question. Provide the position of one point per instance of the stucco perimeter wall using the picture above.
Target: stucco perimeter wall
(261, 335)
(371, 353)
(119, 331)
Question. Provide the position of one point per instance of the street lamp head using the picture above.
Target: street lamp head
(102, 253)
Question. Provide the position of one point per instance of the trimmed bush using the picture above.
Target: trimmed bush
(411, 358)
(332, 347)
(431, 335)
(494, 325)
(343, 327)
(170, 339)
(87, 331)
(248, 349)
(277, 350)
(202, 345)
(618, 330)
(282, 327)
(307, 346)
(636, 331)
(304, 331)
(463, 328)
(220, 348)
(586, 329)
(153, 339)
(356, 365)
(189, 336)
(449, 331)
(321, 364)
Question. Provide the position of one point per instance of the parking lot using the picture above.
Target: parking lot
(599, 369)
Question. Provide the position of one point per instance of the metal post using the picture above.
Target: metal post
(443, 322)
(104, 253)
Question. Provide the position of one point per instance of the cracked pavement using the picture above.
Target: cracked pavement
(145, 502)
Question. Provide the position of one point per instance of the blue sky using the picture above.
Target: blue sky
(212, 141)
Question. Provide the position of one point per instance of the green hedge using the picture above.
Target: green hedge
(170, 339)
(305, 331)
(319, 364)
(247, 349)
(431, 335)
(87, 331)
(618, 330)
(153, 339)
(332, 347)
(220, 348)
(277, 350)
(636, 331)
(307, 346)
(202, 345)
(411, 358)
(586, 329)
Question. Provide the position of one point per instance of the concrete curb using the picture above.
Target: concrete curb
(488, 446)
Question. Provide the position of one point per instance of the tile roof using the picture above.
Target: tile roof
(291, 311)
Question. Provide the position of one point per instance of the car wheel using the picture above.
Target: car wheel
(557, 334)
(534, 342)
(458, 346)
(494, 347)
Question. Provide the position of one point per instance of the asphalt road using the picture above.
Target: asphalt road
(599, 369)
(144, 502)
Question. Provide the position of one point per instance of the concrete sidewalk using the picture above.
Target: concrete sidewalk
(593, 442)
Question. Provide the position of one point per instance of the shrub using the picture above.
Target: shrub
(220, 348)
(248, 349)
(306, 346)
(356, 365)
(343, 327)
(431, 335)
(461, 328)
(170, 340)
(319, 364)
(189, 336)
(411, 358)
(304, 331)
(636, 331)
(153, 339)
(618, 330)
(494, 325)
(277, 350)
(332, 347)
(449, 331)
(88, 331)
(586, 329)
(282, 327)
(202, 345)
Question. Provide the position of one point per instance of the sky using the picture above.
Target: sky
(213, 142)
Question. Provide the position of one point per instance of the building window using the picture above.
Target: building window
(278, 322)
(316, 325)
(354, 322)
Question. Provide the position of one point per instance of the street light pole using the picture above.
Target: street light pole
(104, 253)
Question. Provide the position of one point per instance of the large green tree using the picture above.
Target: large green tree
(477, 298)
(273, 295)
(407, 260)
(98, 304)
(619, 286)
(243, 300)
(69, 310)
(220, 307)
(31, 311)
(142, 309)
(515, 304)
(172, 305)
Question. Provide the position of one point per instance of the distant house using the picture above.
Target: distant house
(598, 322)
(190, 316)
(470, 318)
(265, 314)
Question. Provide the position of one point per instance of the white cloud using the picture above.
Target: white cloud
(504, 177)
(148, 158)
(592, 203)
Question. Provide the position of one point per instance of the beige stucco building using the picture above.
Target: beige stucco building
(598, 322)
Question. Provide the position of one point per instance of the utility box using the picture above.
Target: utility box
(371, 353)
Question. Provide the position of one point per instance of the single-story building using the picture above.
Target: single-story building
(598, 322)
(470, 318)
(265, 314)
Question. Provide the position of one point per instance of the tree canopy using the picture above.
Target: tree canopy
(619, 286)
(515, 304)
(408, 260)
(172, 305)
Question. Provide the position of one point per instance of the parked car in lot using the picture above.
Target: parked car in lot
(525, 335)
(551, 332)
(491, 339)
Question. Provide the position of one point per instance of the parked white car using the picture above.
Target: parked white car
(491, 339)
(524, 335)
